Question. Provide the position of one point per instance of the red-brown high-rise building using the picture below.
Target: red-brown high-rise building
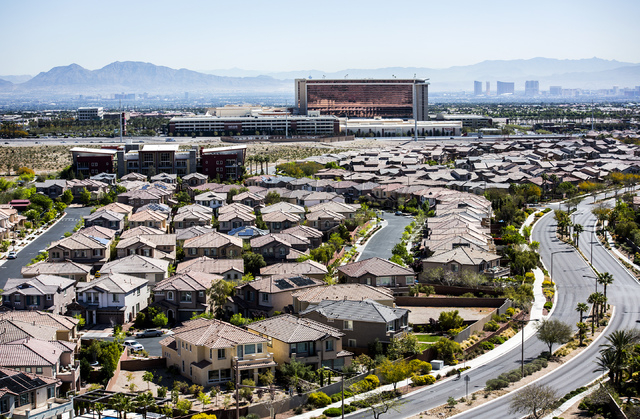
(364, 98)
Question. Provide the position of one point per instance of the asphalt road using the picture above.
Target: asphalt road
(381, 244)
(151, 345)
(572, 277)
(11, 268)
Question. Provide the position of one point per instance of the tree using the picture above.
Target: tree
(446, 349)
(148, 377)
(204, 399)
(160, 320)
(85, 369)
(253, 262)
(272, 198)
(99, 408)
(605, 278)
(582, 331)
(554, 331)
(535, 399)
(85, 197)
(450, 320)
(616, 354)
(121, 404)
(145, 401)
(393, 372)
(582, 308)
(382, 402)
(294, 370)
(218, 294)
(577, 229)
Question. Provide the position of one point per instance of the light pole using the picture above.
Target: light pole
(553, 254)
(522, 322)
(592, 277)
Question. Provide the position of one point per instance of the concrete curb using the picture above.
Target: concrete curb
(34, 238)
(360, 248)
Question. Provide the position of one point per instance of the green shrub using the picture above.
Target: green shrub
(319, 399)
(374, 381)
(333, 412)
(497, 340)
(510, 312)
(496, 384)
(487, 346)
(336, 397)
(491, 326)
(422, 380)
(418, 366)
(548, 305)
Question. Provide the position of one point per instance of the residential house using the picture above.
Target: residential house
(313, 234)
(182, 295)
(42, 292)
(353, 292)
(376, 272)
(98, 232)
(229, 269)
(264, 296)
(125, 209)
(170, 178)
(21, 324)
(247, 233)
(105, 218)
(362, 322)
(153, 270)
(213, 200)
(213, 244)
(278, 220)
(52, 188)
(113, 298)
(303, 340)
(191, 217)
(194, 179)
(96, 188)
(461, 259)
(205, 351)
(88, 250)
(67, 269)
(284, 207)
(53, 359)
(133, 176)
(183, 234)
(141, 231)
(315, 198)
(310, 268)
(149, 218)
(108, 178)
(325, 220)
(234, 216)
(250, 199)
(24, 395)
(277, 247)
(155, 246)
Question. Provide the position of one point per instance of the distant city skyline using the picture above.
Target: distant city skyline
(330, 36)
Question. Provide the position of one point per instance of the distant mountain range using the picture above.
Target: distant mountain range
(138, 77)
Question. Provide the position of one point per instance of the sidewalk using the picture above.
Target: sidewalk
(529, 330)
(360, 247)
(26, 241)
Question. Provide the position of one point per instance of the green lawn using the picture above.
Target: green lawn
(428, 338)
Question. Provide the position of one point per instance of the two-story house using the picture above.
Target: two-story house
(42, 292)
(149, 218)
(24, 395)
(325, 220)
(54, 359)
(52, 188)
(206, 351)
(462, 259)
(314, 235)
(114, 298)
(157, 246)
(376, 272)
(67, 269)
(106, 218)
(192, 216)
(304, 340)
(362, 322)
(264, 296)
(80, 248)
(182, 295)
(153, 270)
(214, 244)
(310, 268)
(213, 200)
(277, 221)
(280, 247)
(234, 216)
(354, 292)
(229, 269)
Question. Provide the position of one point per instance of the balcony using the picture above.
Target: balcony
(496, 272)
(306, 357)
(69, 373)
(52, 409)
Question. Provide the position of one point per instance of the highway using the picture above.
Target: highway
(575, 282)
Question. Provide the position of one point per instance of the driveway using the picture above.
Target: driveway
(11, 268)
(381, 244)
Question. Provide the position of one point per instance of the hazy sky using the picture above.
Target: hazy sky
(303, 35)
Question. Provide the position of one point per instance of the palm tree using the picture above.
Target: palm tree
(144, 401)
(121, 403)
(616, 354)
(582, 308)
(204, 399)
(99, 407)
(605, 278)
(594, 299)
(577, 229)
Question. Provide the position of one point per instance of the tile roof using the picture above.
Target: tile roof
(37, 285)
(118, 207)
(304, 231)
(365, 311)
(148, 215)
(190, 232)
(374, 266)
(308, 267)
(187, 281)
(105, 214)
(212, 239)
(31, 352)
(281, 283)
(354, 292)
(463, 256)
(114, 283)
(54, 268)
(211, 266)
(291, 329)
(98, 231)
(280, 216)
(135, 264)
(139, 231)
(212, 333)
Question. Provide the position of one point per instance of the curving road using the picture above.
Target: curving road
(575, 282)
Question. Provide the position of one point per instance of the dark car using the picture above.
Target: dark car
(398, 213)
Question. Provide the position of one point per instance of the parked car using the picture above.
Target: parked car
(149, 333)
(398, 213)
(12, 255)
(134, 345)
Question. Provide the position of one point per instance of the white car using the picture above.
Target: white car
(134, 345)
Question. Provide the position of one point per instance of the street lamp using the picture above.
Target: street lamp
(553, 254)
(522, 346)
(592, 277)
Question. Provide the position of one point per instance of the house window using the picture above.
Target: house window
(351, 343)
(170, 295)
(16, 298)
(265, 297)
(38, 370)
(50, 297)
(28, 369)
(193, 251)
(200, 293)
(250, 349)
(383, 281)
(185, 297)
(348, 325)
(24, 399)
(138, 292)
(455, 267)
(222, 353)
(328, 346)
(115, 298)
(390, 327)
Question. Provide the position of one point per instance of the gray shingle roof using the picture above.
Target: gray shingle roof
(374, 266)
(291, 329)
(365, 311)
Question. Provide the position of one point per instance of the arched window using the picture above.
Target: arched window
(170, 295)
